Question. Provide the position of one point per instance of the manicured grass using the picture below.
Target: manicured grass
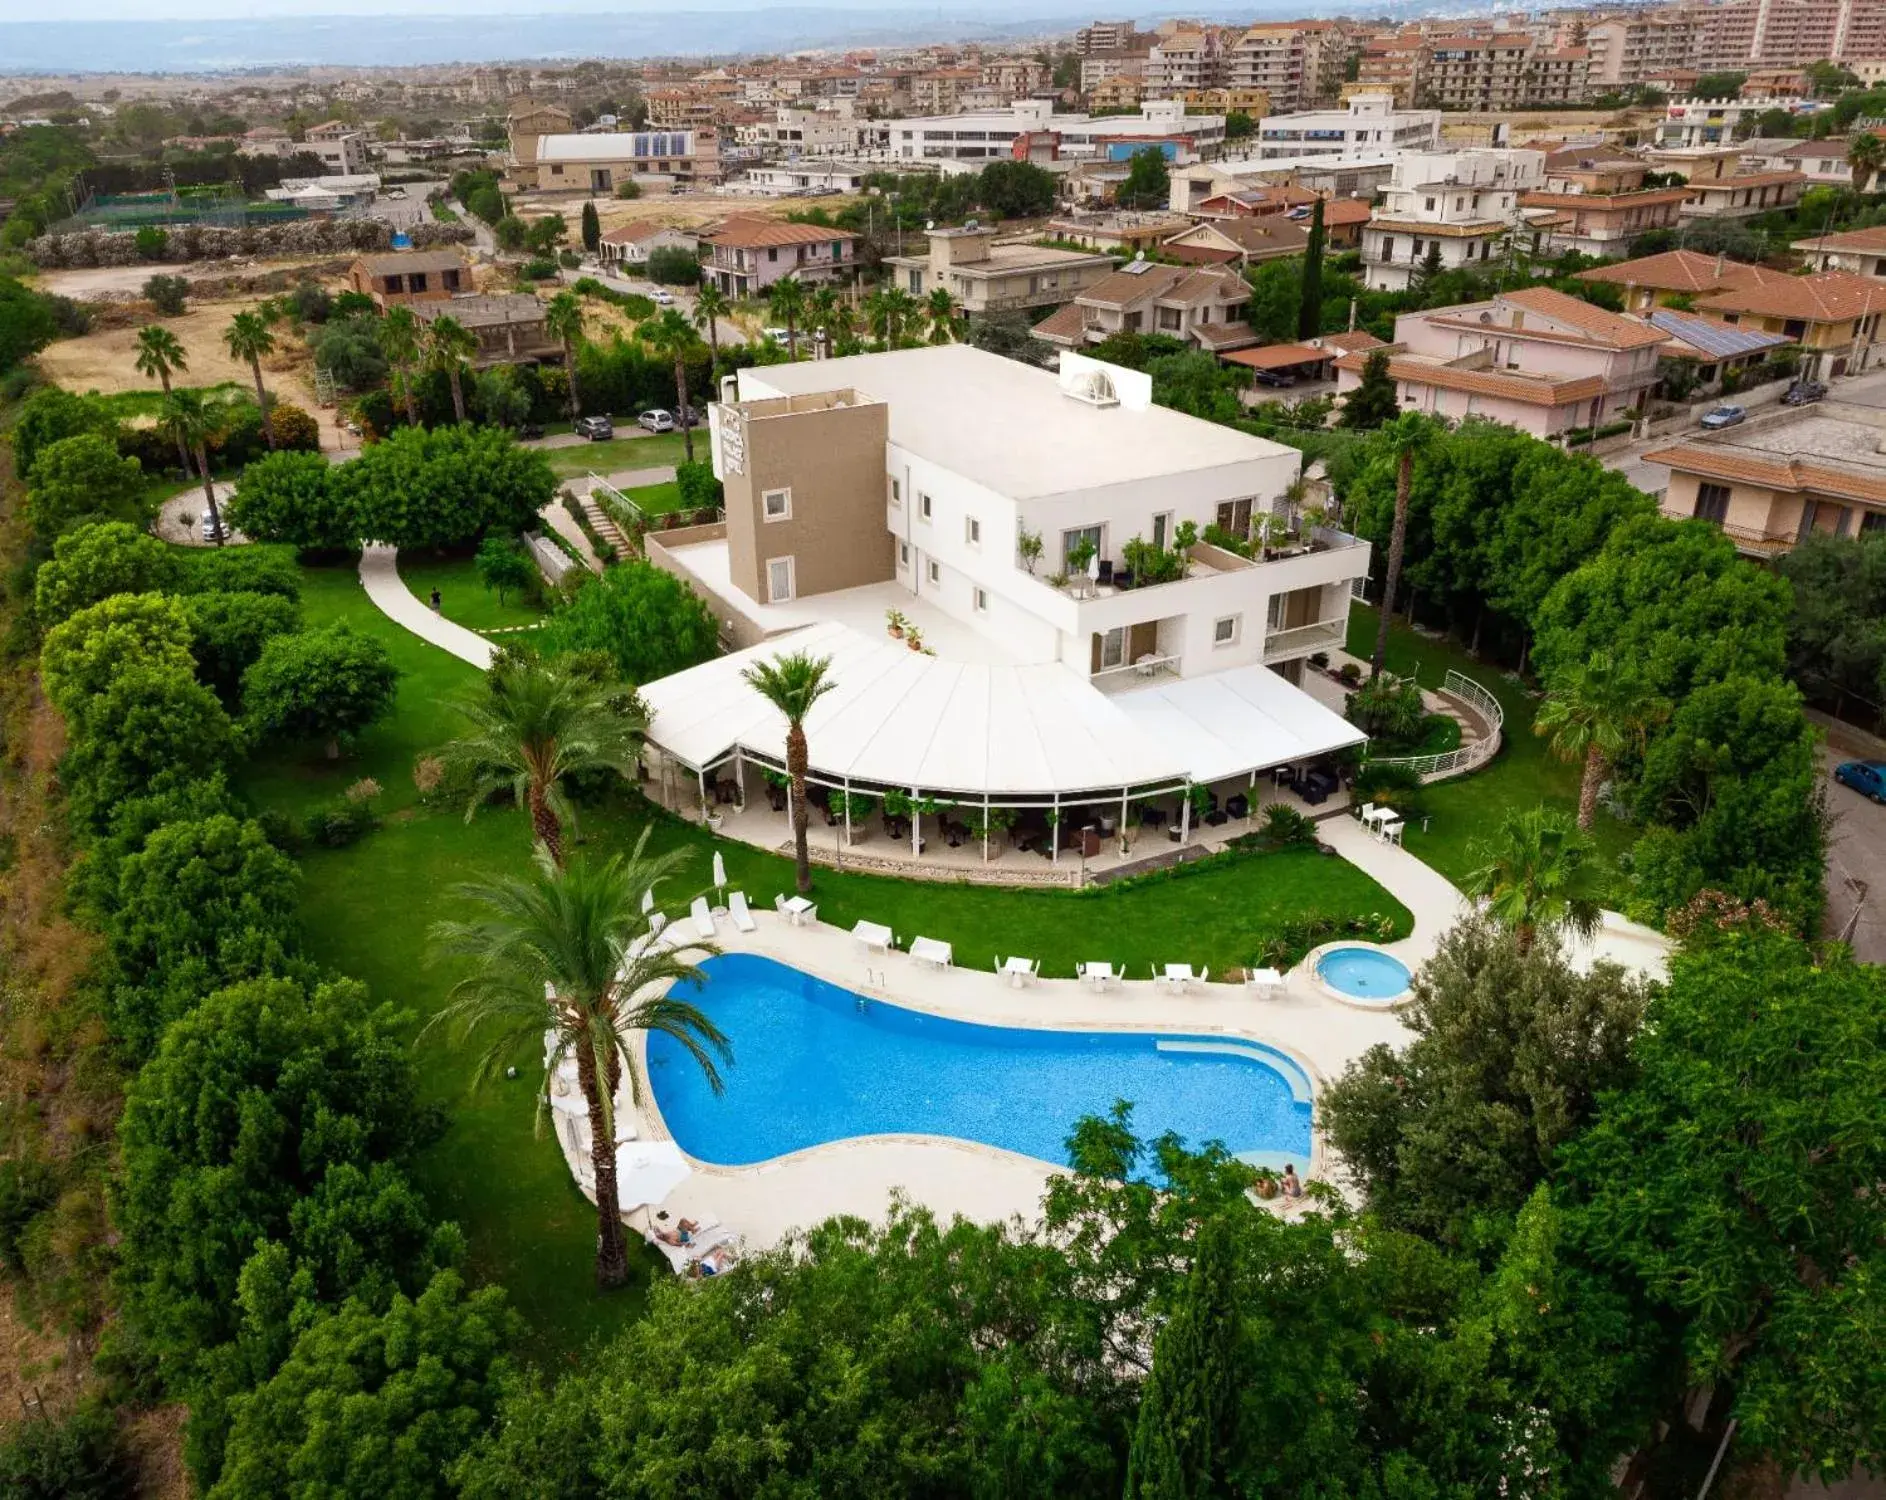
(124, 405)
(657, 499)
(1467, 809)
(463, 597)
(430, 681)
(651, 450)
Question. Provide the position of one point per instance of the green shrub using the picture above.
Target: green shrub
(74, 1457)
(166, 294)
(540, 268)
(150, 242)
(673, 266)
(1286, 827)
(1613, 429)
(339, 824)
(1389, 710)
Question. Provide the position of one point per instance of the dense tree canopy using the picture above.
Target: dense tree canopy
(437, 488)
(27, 323)
(294, 498)
(93, 562)
(648, 621)
(1837, 631)
(324, 684)
(83, 478)
(227, 633)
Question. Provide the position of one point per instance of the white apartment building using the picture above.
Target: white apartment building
(1717, 122)
(909, 481)
(1032, 131)
(1299, 63)
(812, 132)
(1369, 125)
(1463, 202)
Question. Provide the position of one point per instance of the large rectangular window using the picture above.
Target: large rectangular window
(1072, 539)
(1712, 502)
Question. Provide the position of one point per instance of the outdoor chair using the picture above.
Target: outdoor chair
(1106, 572)
(776, 795)
(1238, 807)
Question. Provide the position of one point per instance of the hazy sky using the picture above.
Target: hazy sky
(173, 10)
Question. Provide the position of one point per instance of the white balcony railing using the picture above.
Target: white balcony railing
(1300, 640)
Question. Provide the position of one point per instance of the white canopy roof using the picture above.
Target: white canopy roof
(1234, 722)
(899, 718)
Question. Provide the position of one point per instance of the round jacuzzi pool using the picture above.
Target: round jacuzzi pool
(1366, 976)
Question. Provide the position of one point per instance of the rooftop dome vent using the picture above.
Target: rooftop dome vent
(1093, 387)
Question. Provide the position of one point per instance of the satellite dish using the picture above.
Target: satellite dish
(1139, 255)
(1486, 317)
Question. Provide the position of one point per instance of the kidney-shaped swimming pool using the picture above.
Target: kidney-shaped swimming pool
(815, 1063)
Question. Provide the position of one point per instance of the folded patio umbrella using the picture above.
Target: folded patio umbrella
(720, 871)
(648, 1171)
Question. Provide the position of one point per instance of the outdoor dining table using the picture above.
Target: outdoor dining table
(797, 908)
(1379, 815)
(1179, 976)
(1018, 971)
(873, 935)
(932, 951)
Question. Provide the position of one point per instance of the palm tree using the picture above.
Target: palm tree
(672, 336)
(567, 951)
(710, 306)
(940, 309)
(400, 342)
(248, 337)
(889, 310)
(1595, 713)
(159, 353)
(195, 423)
(1536, 876)
(536, 724)
(792, 684)
(786, 298)
(1407, 435)
(1866, 154)
(563, 321)
(449, 343)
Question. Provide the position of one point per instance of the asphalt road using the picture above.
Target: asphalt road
(1856, 860)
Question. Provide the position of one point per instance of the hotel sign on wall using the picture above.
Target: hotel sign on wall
(733, 440)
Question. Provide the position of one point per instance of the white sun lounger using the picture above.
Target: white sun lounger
(679, 1257)
(741, 913)
(703, 919)
(933, 951)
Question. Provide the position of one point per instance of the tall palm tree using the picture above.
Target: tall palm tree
(1866, 154)
(940, 308)
(449, 344)
(710, 306)
(1594, 713)
(248, 337)
(1406, 436)
(400, 342)
(159, 353)
(536, 724)
(672, 336)
(889, 311)
(195, 423)
(786, 298)
(563, 321)
(567, 951)
(792, 684)
(1536, 876)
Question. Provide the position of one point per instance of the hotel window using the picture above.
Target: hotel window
(778, 580)
(776, 505)
(935, 572)
(897, 492)
(1712, 502)
(903, 554)
(923, 505)
(982, 601)
(972, 531)
(1225, 632)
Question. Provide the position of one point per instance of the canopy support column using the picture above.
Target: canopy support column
(740, 777)
(1054, 832)
(1120, 827)
(1251, 801)
(701, 778)
(1185, 813)
(916, 827)
(847, 812)
(985, 828)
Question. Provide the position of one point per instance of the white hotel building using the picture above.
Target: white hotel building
(1032, 131)
(913, 481)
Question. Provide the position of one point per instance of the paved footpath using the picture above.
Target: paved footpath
(379, 575)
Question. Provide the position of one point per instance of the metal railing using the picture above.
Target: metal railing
(1463, 758)
(1320, 633)
(1146, 666)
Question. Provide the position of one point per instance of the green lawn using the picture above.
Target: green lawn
(367, 910)
(1522, 775)
(463, 598)
(649, 451)
(657, 499)
(125, 405)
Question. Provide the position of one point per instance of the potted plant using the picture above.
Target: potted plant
(857, 807)
(895, 622)
(913, 638)
(709, 816)
(1028, 548)
(1080, 555)
(1199, 795)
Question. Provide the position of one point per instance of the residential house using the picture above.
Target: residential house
(1709, 350)
(1861, 251)
(1824, 163)
(1121, 231)
(1030, 130)
(1655, 280)
(984, 276)
(600, 163)
(1369, 124)
(1535, 359)
(1461, 204)
(404, 277)
(1744, 196)
(1299, 64)
(341, 147)
(1711, 122)
(1240, 242)
(1121, 89)
(1779, 478)
(631, 244)
(528, 123)
(1696, 163)
(509, 326)
(1833, 315)
(1601, 224)
(1202, 305)
(1593, 169)
(749, 255)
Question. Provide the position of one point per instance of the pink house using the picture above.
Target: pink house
(1536, 359)
(749, 255)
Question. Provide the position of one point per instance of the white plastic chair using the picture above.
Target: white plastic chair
(703, 919)
(741, 913)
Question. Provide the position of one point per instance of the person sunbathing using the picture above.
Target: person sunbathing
(716, 1262)
(682, 1234)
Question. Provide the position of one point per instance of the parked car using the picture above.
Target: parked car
(396, 192)
(1277, 379)
(596, 429)
(662, 297)
(531, 430)
(1724, 416)
(1867, 777)
(1803, 393)
(692, 415)
(779, 335)
(209, 529)
(657, 420)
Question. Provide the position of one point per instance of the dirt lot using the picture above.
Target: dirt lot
(115, 283)
(685, 210)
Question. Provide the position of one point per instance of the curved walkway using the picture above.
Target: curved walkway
(379, 575)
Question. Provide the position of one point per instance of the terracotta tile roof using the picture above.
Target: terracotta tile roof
(404, 262)
(1826, 297)
(1271, 232)
(1224, 335)
(1532, 390)
(1679, 271)
(1717, 462)
(1277, 356)
(1851, 239)
(1815, 149)
(748, 234)
(1062, 326)
(1355, 341)
(1184, 284)
(1601, 326)
(1603, 202)
(1746, 180)
(638, 229)
(1474, 230)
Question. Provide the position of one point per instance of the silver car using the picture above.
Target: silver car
(1724, 416)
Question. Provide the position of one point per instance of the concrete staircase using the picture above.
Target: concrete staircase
(604, 525)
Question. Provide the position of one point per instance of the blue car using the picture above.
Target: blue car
(1867, 777)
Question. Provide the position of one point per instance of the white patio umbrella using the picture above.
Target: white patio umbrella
(720, 872)
(648, 1171)
(648, 900)
(1093, 570)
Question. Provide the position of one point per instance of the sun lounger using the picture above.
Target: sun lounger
(679, 1257)
(703, 919)
(741, 913)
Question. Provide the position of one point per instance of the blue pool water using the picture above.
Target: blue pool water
(1364, 973)
(812, 1063)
